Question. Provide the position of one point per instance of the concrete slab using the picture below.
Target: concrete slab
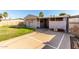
(66, 42)
(34, 40)
(63, 43)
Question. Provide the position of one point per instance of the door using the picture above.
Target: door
(44, 23)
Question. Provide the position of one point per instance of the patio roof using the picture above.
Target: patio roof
(53, 17)
(35, 17)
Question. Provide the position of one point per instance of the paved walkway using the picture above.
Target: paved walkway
(61, 41)
(32, 40)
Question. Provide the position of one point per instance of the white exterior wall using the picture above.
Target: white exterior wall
(38, 24)
(33, 24)
(58, 24)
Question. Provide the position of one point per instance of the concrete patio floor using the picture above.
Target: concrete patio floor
(61, 40)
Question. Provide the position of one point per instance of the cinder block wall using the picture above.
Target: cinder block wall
(10, 22)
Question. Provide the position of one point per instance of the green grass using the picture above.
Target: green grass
(7, 32)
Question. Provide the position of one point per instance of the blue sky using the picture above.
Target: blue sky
(23, 13)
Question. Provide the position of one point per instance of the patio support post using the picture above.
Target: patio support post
(49, 22)
(67, 25)
(38, 22)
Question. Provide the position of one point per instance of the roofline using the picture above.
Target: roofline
(74, 16)
(54, 17)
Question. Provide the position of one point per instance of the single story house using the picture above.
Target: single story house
(55, 23)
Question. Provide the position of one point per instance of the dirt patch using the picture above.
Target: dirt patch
(74, 42)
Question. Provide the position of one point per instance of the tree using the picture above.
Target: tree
(1, 17)
(5, 14)
(41, 14)
(62, 14)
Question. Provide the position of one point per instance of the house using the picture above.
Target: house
(55, 23)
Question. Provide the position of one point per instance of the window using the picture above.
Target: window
(56, 19)
(52, 19)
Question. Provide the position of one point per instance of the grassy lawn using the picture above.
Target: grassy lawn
(7, 32)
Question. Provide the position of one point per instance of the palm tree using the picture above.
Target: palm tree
(1, 17)
(41, 14)
(5, 14)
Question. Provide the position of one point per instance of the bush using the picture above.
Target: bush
(21, 24)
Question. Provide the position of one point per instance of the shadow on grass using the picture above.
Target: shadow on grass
(20, 27)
